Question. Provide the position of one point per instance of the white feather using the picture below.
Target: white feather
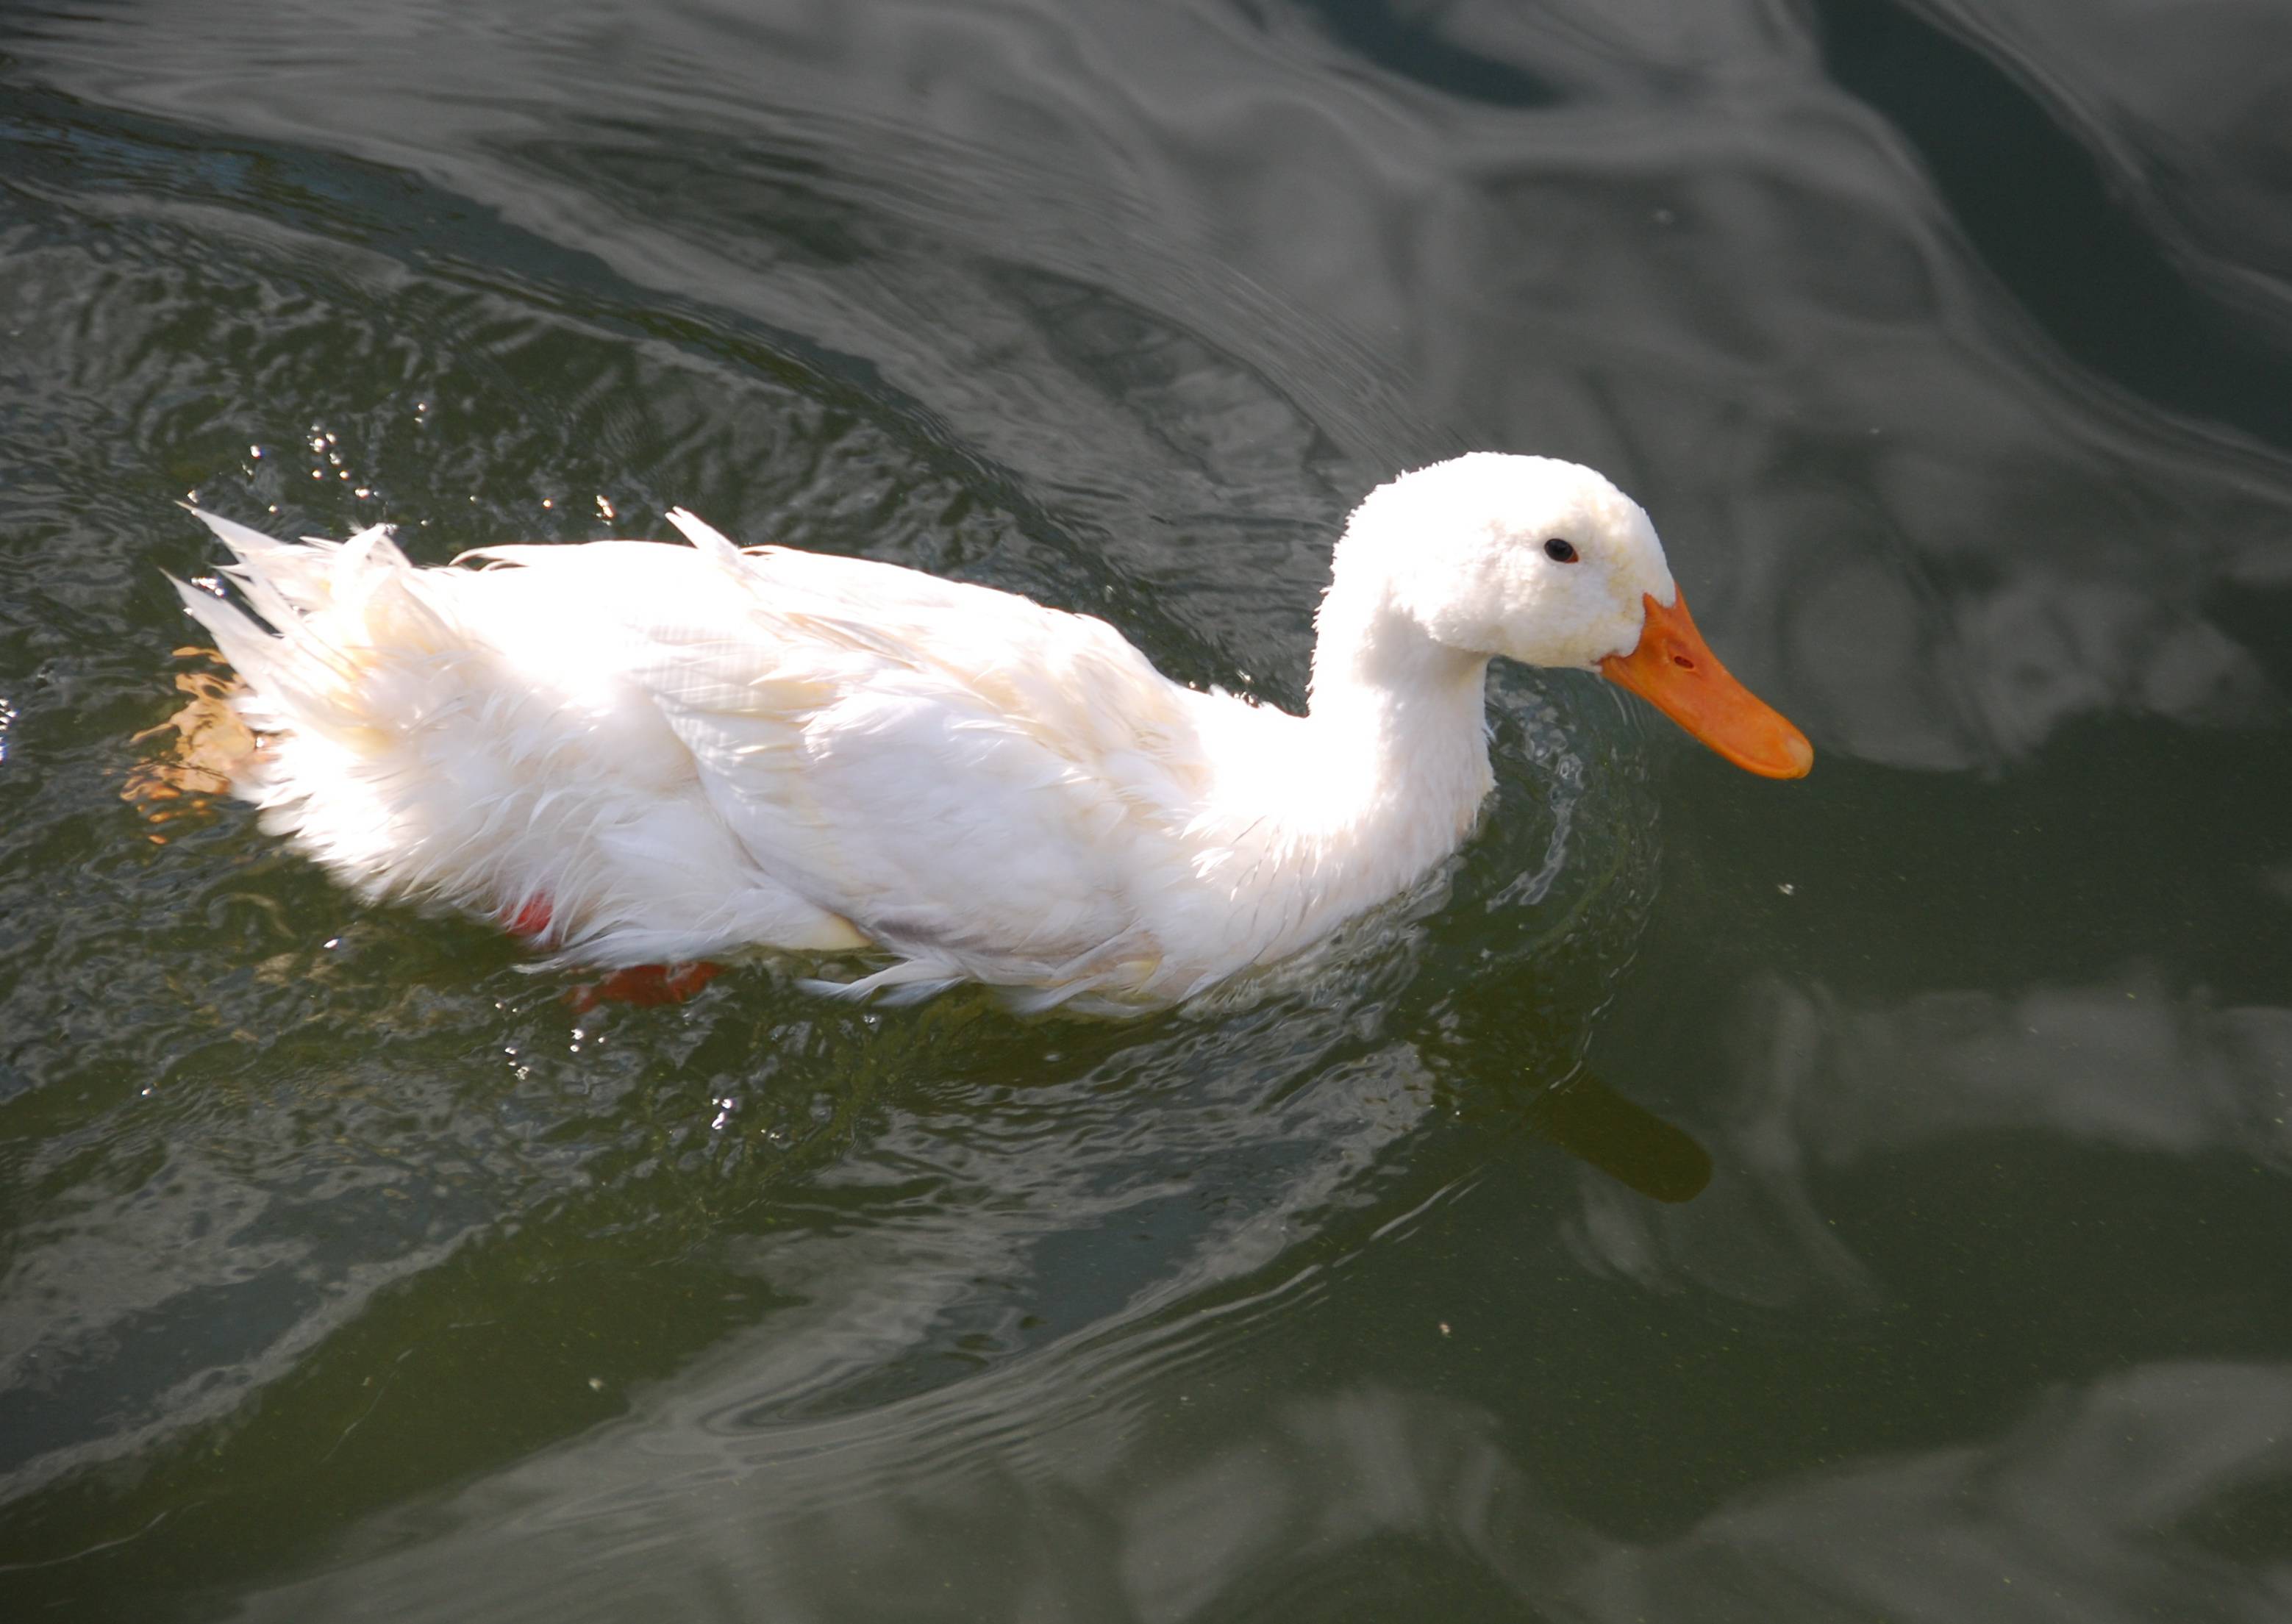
(686, 750)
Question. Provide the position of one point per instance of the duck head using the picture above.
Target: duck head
(1546, 562)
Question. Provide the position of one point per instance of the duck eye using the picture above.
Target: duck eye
(1559, 551)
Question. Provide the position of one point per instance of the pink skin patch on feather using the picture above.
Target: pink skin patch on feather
(532, 920)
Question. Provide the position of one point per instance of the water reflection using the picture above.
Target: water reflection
(1630, 1144)
(2130, 1498)
(2030, 559)
(340, 1260)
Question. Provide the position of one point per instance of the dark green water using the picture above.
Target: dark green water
(344, 1273)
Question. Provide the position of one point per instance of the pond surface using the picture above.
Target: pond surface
(1863, 1199)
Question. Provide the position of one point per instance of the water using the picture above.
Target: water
(1869, 1198)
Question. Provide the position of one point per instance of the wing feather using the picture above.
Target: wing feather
(987, 785)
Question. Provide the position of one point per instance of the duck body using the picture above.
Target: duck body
(638, 753)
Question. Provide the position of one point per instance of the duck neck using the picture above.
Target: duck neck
(1399, 731)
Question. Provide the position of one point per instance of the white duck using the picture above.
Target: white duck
(636, 752)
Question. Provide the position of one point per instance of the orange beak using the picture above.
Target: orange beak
(1674, 670)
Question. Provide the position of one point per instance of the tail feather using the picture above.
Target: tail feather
(711, 541)
(301, 575)
(320, 608)
(248, 647)
(244, 540)
(284, 681)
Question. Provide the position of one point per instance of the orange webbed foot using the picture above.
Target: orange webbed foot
(644, 985)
